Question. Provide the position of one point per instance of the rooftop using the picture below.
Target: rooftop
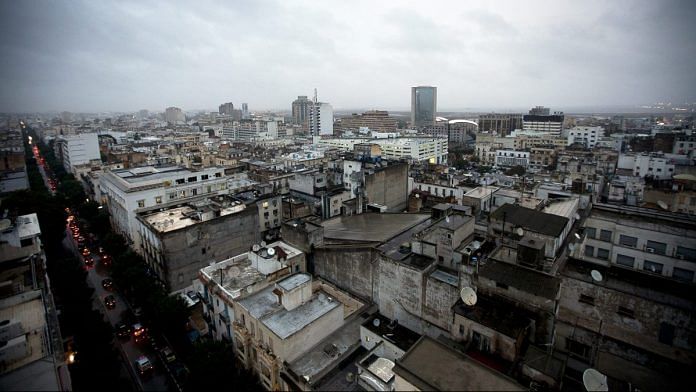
(392, 332)
(176, 218)
(482, 192)
(532, 220)
(294, 281)
(430, 365)
(370, 227)
(284, 323)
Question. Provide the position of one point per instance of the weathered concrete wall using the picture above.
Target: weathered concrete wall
(389, 187)
(354, 269)
(439, 299)
(401, 292)
(188, 250)
(505, 346)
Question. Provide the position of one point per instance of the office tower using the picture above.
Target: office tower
(423, 106)
(500, 123)
(320, 119)
(539, 119)
(174, 115)
(226, 108)
(300, 110)
(245, 111)
(375, 120)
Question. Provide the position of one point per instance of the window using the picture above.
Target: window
(141, 203)
(192, 179)
(578, 349)
(627, 240)
(218, 174)
(204, 177)
(194, 192)
(158, 199)
(202, 251)
(625, 312)
(589, 250)
(602, 254)
(180, 181)
(26, 242)
(624, 260)
(586, 299)
(172, 195)
(666, 334)
(591, 232)
(652, 266)
(682, 274)
(656, 247)
(686, 253)
(605, 235)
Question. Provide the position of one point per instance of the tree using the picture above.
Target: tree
(213, 367)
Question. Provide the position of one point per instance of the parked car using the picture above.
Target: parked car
(143, 365)
(167, 355)
(139, 333)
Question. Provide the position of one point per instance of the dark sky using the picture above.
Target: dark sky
(125, 56)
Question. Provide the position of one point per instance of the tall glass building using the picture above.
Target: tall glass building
(423, 106)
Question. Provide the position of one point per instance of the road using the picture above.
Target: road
(157, 380)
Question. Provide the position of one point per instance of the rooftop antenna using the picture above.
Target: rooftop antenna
(594, 381)
(468, 296)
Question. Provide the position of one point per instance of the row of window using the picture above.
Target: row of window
(649, 266)
(204, 177)
(651, 246)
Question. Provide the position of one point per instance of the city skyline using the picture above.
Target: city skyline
(88, 57)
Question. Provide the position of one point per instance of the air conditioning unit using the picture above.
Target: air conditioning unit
(650, 250)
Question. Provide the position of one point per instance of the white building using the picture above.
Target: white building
(127, 191)
(79, 149)
(433, 150)
(655, 242)
(509, 158)
(587, 136)
(321, 119)
(552, 124)
(654, 165)
(223, 284)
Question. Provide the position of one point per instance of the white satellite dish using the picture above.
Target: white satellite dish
(578, 236)
(577, 216)
(662, 205)
(263, 244)
(468, 296)
(376, 322)
(249, 289)
(255, 247)
(596, 275)
(594, 381)
(271, 251)
(520, 231)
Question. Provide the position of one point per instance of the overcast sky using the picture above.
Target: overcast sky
(125, 56)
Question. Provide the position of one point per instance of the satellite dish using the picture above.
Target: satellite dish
(520, 231)
(271, 251)
(571, 247)
(249, 289)
(263, 244)
(577, 216)
(376, 322)
(4, 224)
(577, 236)
(255, 247)
(662, 205)
(594, 380)
(596, 275)
(468, 296)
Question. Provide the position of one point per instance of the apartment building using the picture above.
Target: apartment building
(586, 136)
(510, 158)
(375, 120)
(78, 149)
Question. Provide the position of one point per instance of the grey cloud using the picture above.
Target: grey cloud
(85, 55)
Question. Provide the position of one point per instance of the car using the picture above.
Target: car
(105, 259)
(167, 355)
(123, 331)
(85, 252)
(139, 333)
(143, 365)
(108, 284)
(110, 301)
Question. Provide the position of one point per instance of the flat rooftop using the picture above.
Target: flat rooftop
(294, 281)
(234, 275)
(497, 314)
(370, 227)
(430, 365)
(28, 309)
(262, 303)
(482, 192)
(180, 217)
(522, 278)
(396, 334)
(285, 323)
